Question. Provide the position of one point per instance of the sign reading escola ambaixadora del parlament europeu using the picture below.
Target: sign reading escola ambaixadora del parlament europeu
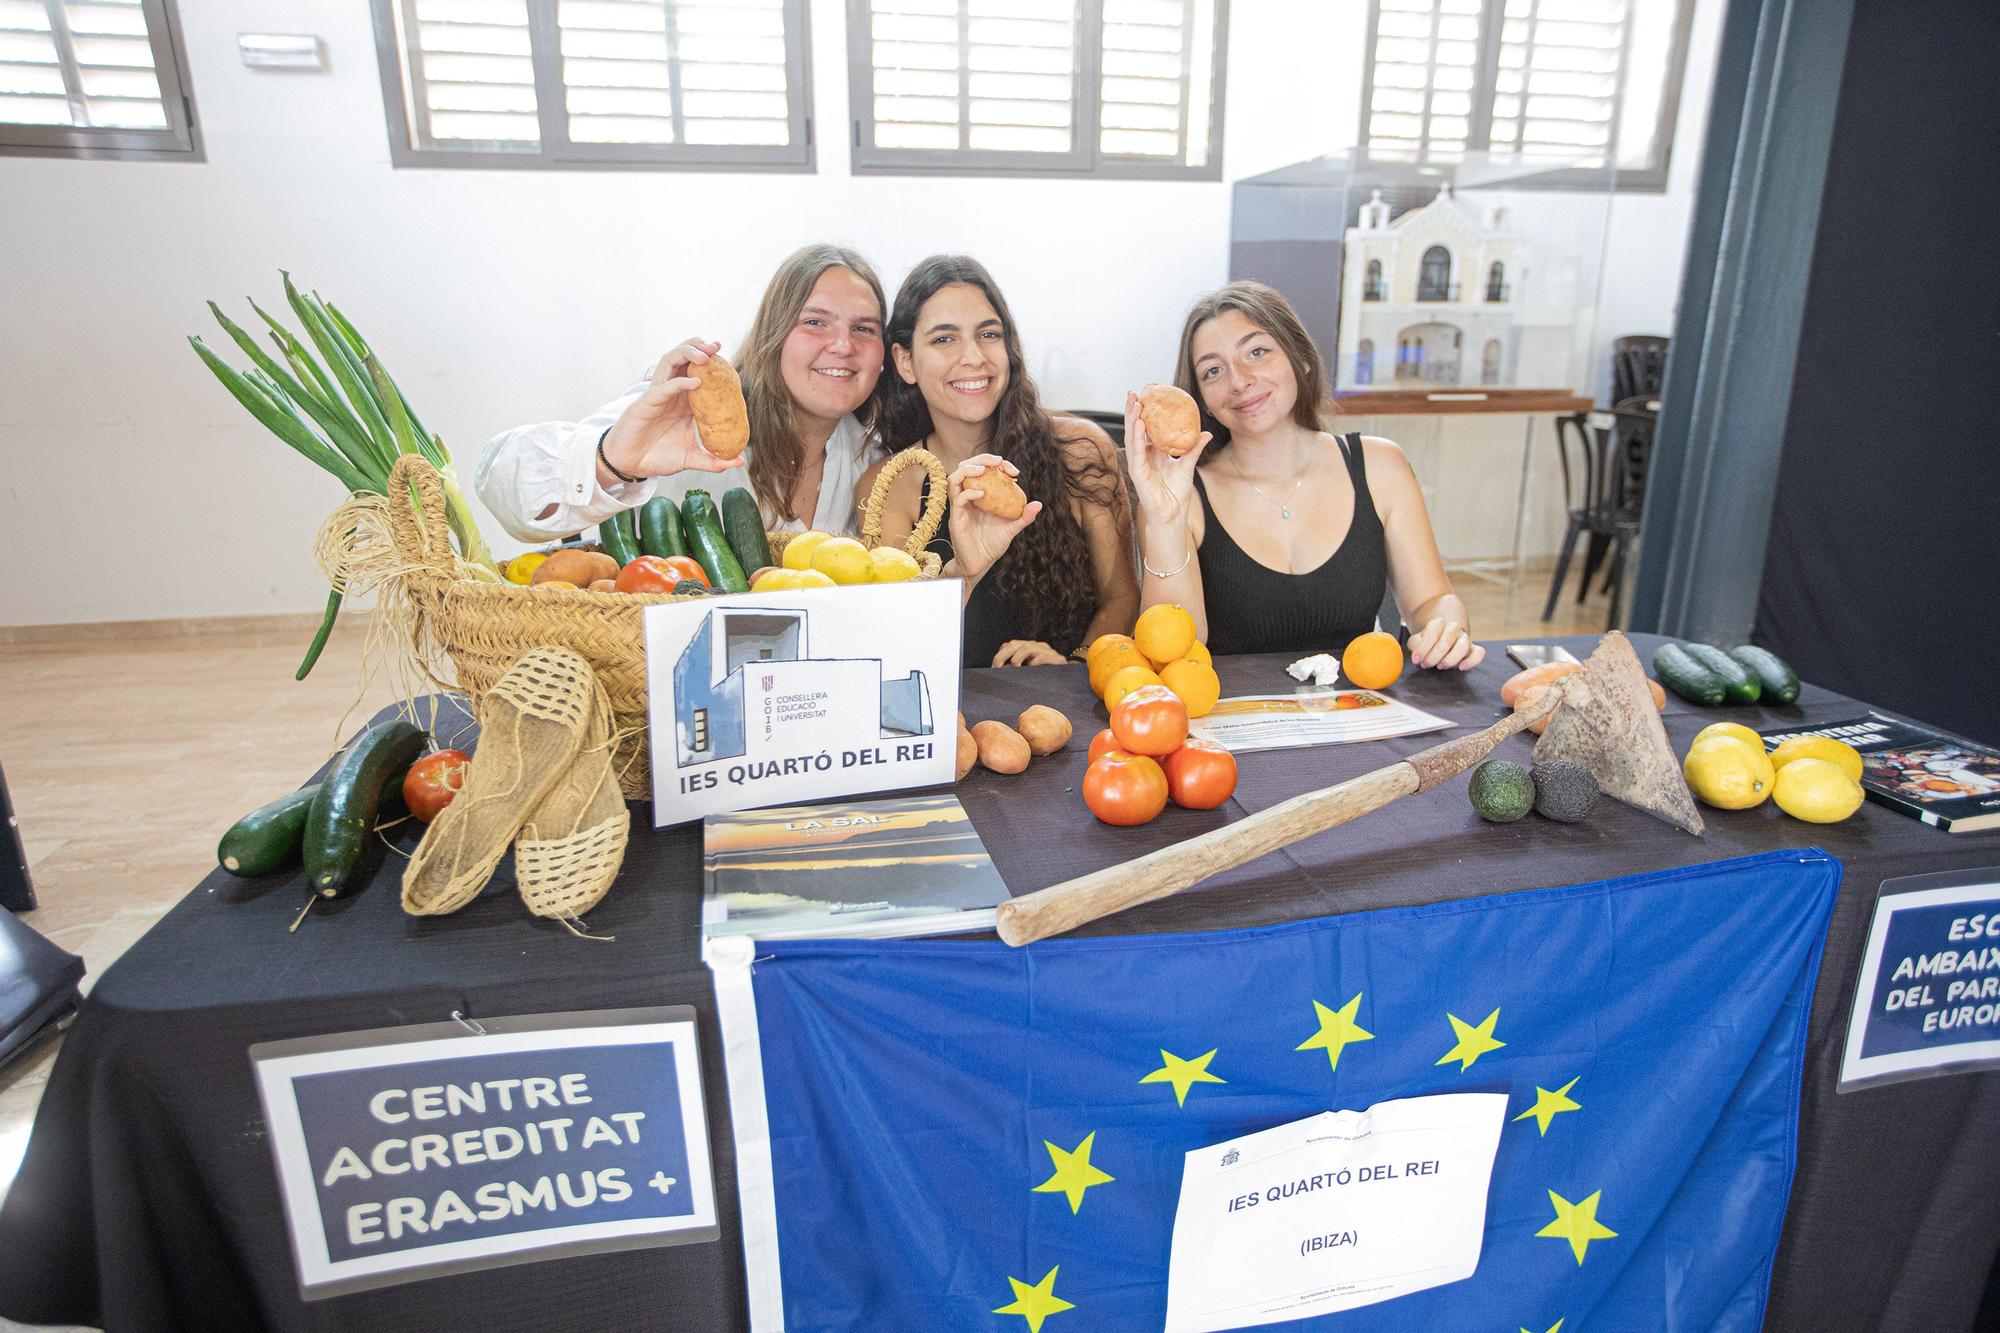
(1927, 1000)
(410, 1152)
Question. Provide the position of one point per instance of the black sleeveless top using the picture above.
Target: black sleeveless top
(990, 618)
(1253, 608)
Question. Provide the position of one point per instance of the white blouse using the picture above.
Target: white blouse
(529, 469)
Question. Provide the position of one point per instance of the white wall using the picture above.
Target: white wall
(506, 296)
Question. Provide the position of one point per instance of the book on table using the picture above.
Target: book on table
(1941, 779)
(910, 865)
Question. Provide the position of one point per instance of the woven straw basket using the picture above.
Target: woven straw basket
(483, 627)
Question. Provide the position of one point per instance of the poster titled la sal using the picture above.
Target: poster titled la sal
(778, 697)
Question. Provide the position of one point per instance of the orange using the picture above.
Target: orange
(1116, 656)
(1164, 633)
(1125, 680)
(1373, 661)
(1103, 644)
(1198, 652)
(1195, 682)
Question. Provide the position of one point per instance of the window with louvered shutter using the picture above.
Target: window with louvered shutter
(596, 83)
(1105, 87)
(93, 78)
(1557, 82)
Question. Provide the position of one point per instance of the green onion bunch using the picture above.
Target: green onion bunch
(341, 410)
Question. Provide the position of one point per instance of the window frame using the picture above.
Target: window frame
(180, 141)
(1635, 180)
(1083, 159)
(555, 151)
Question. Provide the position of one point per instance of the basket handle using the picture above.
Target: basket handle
(418, 529)
(929, 521)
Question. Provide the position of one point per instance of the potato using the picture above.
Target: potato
(1173, 422)
(1529, 698)
(581, 568)
(999, 494)
(968, 754)
(720, 416)
(1001, 748)
(1520, 681)
(604, 585)
(1045, 729)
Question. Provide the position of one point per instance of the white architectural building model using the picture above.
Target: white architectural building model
(1433, 297)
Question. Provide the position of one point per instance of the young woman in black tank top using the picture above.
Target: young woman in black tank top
(1275, 535)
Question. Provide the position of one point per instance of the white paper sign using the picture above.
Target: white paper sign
(785, 697)
(1311, 717)
(1336, 1211)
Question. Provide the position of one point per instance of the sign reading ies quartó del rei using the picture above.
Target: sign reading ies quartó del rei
(1927, 1000)
(411, 1152)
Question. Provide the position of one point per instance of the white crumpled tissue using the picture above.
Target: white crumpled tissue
(1319, 669)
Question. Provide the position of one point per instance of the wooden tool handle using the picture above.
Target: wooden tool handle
(1061, 907)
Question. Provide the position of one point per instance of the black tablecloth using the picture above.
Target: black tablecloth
(147, 1199)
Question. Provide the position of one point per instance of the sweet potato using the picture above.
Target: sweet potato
(968, 754)
(1001, 748)
(1045, 729)
(581, 568)
(999, 494)
(720, 416)
(1539, 675)
(1173, 422)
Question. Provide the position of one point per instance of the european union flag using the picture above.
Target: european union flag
(967, 1136)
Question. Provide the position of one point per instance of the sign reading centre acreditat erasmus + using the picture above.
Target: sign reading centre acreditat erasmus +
(1927, 1000)
(412, 1152)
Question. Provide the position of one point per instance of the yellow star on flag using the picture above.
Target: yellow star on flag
(1473, 1042)
(1336, 1029)
(1074, 1173)
(1576, 1223)
(1183, 1074)
(1548, 1105)
(1035, 1303)
(1553, 1328)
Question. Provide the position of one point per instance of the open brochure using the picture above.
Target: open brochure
(1331, 717)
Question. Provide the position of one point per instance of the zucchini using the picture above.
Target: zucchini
(267, 839)
(620, 542)
(703, 529)
(1738, 685)
(743, 525)
(660, 528)
(1685, 676)
(340, 825)
(1780, 682)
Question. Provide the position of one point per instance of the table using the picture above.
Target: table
(147, 1197)
(1419, 402)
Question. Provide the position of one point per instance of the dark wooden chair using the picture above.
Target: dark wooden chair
(1638, 365)
(1605, 499)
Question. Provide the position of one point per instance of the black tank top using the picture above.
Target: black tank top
(1253, 608)
(990, 618)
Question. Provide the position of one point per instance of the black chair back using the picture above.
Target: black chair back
(1638, 366)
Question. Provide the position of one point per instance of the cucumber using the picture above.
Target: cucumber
(1780, 682)
(743, 525)
(703, 529)
(1686, 677)
(1738, 685)
(620, 542)
(660, 528)
(340, 826)
(267, 839)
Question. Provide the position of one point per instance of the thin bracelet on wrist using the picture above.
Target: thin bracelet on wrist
(1165, 573)
(611, 467)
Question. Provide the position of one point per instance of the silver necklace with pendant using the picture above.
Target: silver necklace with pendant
(1284, 505)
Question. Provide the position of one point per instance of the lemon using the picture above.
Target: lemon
(522, 567)
(1728, 773)
(843, 560)
(799, 550)
(1817, 791)
(891, 565)
(1736, 729)
(809, 578)
(1838, 753)
(773, 580)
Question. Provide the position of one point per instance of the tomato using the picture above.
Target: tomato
(1099, 743)
(646, 573)
(433, 781)
(1150, 720)
(1200, 775)
(688, 567)
(1125, 789)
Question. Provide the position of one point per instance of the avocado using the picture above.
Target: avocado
(1501, 791)
(1564, 792)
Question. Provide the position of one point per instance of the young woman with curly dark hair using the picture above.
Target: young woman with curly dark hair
(1041, 587)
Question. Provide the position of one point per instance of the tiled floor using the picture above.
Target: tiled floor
(127, 757)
